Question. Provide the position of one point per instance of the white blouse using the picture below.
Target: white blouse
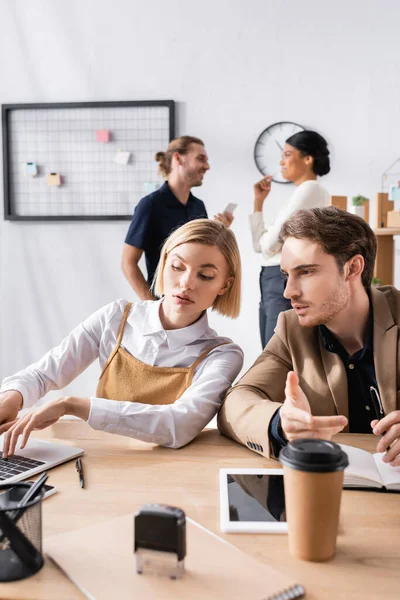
(171, 425)
(309, 194)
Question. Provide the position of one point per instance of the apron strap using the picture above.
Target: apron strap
(119, 338)
(204, 354)
(122, 326)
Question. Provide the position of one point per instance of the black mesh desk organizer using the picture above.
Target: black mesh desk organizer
(20, 533)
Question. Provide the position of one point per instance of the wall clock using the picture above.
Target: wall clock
(269, 146)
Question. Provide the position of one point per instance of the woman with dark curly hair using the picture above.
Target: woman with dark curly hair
(305, 156)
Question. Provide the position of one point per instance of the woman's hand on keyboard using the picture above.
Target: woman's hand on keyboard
(41, 418)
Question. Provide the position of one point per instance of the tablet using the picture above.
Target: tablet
(252, 501)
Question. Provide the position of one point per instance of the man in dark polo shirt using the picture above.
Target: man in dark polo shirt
(183, 165)
(333, 362)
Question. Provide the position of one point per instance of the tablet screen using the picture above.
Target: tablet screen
(256, 497)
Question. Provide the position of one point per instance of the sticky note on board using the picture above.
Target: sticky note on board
(102, 135)
(122, 157)
(30, 169)
(53, 179)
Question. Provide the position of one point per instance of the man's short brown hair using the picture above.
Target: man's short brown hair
(337, 232)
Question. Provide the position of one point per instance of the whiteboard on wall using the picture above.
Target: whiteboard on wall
(82, 161)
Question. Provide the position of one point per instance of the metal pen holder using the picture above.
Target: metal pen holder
(20, 533)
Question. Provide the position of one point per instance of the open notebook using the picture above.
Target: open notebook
(367, 470)
(100, 561)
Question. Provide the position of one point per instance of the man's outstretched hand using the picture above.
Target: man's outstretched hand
(296, 418)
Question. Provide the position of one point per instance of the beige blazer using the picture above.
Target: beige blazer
(250, 405)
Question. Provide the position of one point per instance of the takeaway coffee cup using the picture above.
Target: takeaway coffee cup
(313, 479)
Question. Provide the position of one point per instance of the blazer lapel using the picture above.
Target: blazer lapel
(385, 350)
(337, 380)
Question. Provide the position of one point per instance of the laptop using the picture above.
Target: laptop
(37, 456)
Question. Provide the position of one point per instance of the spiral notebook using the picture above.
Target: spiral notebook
(100, 561)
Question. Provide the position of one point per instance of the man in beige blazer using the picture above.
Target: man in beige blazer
(333, 363)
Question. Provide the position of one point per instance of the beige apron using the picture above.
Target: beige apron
(124, 377)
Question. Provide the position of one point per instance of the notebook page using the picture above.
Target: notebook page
(389, 475)
(361, 465)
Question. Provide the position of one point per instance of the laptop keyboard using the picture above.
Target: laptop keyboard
(14, 465)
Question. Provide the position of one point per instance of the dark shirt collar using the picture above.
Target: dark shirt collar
(332, 344)
(172, 200)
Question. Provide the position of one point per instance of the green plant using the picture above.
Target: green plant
(359, 200)
(376, 281)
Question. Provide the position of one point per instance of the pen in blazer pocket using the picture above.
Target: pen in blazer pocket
(378, 407)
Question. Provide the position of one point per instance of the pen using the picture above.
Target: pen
(376, 402)
(33, 490)
(79, 468)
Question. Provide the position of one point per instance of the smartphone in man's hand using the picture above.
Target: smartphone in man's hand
(230, 207)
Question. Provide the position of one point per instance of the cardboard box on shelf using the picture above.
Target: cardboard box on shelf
(393, 218)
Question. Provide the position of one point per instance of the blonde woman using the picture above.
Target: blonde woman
(164, 370)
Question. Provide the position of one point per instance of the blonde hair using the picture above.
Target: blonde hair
(181, 145)
(209, 233)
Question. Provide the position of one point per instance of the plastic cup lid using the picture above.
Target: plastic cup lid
(315, 456)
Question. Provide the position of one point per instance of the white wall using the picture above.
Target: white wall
(234, 67)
